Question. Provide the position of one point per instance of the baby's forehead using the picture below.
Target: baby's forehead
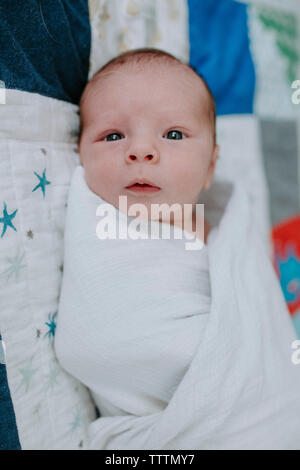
(193, 88)
(166, 71)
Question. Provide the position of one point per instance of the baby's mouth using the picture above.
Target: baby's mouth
(142, 186)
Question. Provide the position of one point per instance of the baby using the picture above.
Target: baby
(131, 111)
(131, 313)
(180, 349)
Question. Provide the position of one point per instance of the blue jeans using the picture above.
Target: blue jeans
(9, 438)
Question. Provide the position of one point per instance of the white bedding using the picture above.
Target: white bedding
(37, 137)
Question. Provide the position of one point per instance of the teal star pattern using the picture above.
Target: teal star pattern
(27, 374)
(43, 182)
(50, 381)
(51, 325)
(6, 220)
(15, 266)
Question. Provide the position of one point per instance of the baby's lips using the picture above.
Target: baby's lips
(142, 188)
(142, 182)
(138, 185)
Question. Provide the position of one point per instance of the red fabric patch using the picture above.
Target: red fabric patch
(286, 242)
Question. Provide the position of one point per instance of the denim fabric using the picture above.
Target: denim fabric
(9, 439)
(45, 47)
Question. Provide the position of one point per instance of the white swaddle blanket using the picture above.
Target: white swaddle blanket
(146, 311)
(176, 358)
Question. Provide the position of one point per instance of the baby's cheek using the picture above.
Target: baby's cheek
(185, 177)
(106, 176)
(94, 164)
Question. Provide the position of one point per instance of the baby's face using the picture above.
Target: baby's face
(154, 126)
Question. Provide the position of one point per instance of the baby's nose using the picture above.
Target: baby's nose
(139, 156)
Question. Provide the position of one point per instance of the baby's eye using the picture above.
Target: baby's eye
(173, 134)
(110, 136)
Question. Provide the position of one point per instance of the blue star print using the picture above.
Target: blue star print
(42, 183)
(6, 220)
(15, 266)
(51, 378)
(51, 325)
(27, 374)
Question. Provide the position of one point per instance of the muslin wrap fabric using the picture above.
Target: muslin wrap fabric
(138, 308)
(180, 349)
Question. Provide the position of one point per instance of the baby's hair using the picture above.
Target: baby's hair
(143, 57)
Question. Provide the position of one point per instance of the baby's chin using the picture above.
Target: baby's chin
(183, 215)
(150, 207)
(155, 206)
